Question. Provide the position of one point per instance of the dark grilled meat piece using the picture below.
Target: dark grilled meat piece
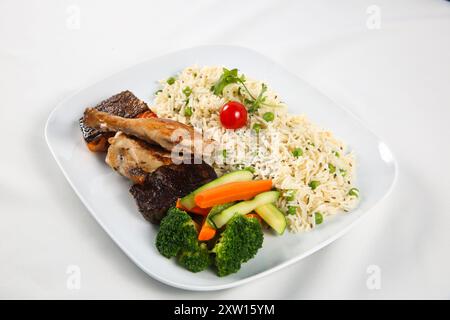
(124, 104)
(167, 183)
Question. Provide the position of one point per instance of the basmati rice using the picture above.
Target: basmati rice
(323, 158)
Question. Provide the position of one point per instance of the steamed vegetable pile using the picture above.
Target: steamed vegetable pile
(220, 223)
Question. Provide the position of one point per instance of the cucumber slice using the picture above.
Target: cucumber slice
(244, 207)
(216, 210)
(241, 175)
(274, 217)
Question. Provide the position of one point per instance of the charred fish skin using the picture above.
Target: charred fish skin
(164, 132)
(124, 104)
(166, 184)
(134, 158)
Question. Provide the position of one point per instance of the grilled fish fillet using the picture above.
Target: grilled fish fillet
(133, 158)
(166, 133)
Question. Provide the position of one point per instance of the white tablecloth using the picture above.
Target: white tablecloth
(395, 78)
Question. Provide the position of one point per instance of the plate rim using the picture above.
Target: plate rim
(259, 275)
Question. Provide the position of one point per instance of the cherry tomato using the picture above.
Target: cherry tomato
(233, 115)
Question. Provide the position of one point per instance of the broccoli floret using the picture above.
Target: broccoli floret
(177, 237)
(197, 260)
(177, 233)
(239, 242)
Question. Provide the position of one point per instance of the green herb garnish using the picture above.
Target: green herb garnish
(227, 77)
(255, 104)
(231, 76)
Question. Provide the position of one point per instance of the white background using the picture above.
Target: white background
(396, 79)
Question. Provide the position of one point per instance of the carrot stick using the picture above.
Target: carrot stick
(207, 232)
(234, 191)
(99, 145)
(179, 205)
(196, 210)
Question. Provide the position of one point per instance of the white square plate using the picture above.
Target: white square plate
(105, 193)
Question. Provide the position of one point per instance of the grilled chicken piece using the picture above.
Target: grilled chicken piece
(134, 158)
(125, 104)
(166, 133)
